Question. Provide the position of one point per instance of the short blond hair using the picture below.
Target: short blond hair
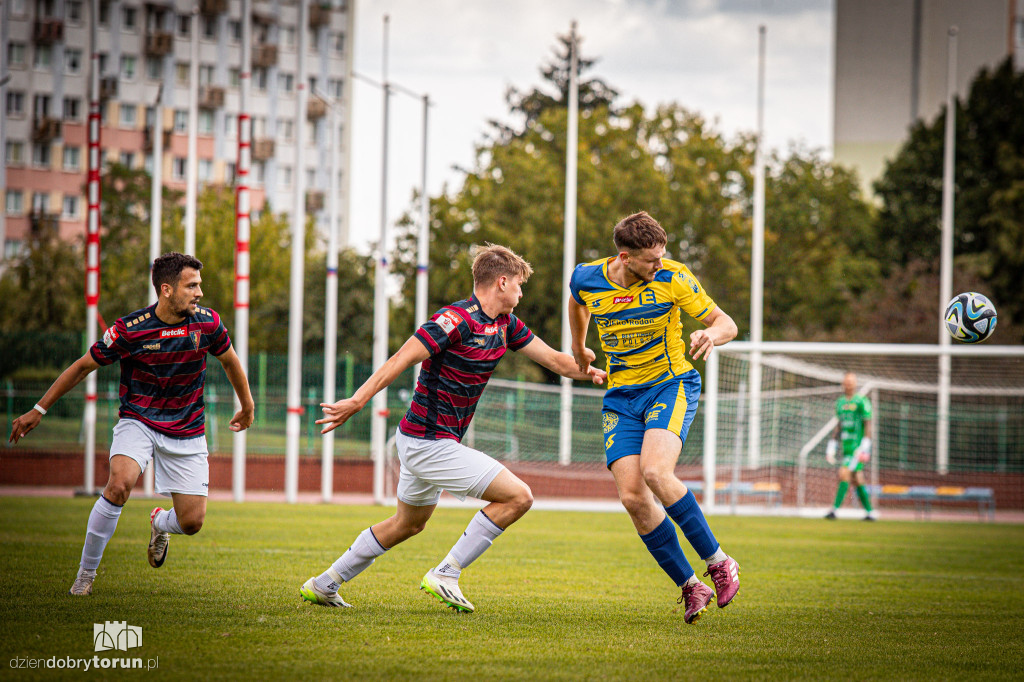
(493, 261)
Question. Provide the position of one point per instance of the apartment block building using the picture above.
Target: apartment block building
(144, 62)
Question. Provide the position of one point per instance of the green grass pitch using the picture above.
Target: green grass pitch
(560, 596)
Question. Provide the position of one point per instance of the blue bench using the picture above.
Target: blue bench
(923, 496)
(770, 491)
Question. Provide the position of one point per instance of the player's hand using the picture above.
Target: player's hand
(830, 451)
(701, 343)
(863, 451)
(583, 357)
(24, 424)
(598, 376)
(243, 419)
(336, 414)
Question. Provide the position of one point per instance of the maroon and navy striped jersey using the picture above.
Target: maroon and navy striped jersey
(163, 367)
(465, 346)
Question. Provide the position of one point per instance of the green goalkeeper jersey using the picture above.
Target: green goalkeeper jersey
(852, 413)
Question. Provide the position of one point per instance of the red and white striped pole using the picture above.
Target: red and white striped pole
(242, 225)
(92, 246)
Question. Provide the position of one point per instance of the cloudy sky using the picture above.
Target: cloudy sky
(466, 53)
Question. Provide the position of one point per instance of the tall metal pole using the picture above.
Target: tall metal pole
(569, 247)
(378, 420)
(5, 24)
(92, 244)
(423, 242)
(192, 163)
(331, 314)
(293, 424)
(946, 266)
(156, 205)
(346, 138)
(242, 234)
(757, 268)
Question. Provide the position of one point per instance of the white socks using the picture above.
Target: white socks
(719, 555)
(102, 523)
(167, 522)
(357, 559)
(479, 535)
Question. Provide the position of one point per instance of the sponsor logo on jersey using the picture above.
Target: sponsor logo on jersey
(622, 299)
(647, 298)
(610, 340)
(655, 412)
(491, 329)
(609, 420)
(596, 304)
(151, 346)
(448, 321)
(110, 336)
(174, 333)
(689, 281)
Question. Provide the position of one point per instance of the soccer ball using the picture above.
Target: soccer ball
(970, 317)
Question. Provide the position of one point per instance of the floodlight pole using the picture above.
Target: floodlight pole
(423, 241)
(155, 220)
(331, 312)
(946, 265)
(192, 163)
(569, 245)
(757, 268)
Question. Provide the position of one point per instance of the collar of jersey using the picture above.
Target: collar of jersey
(474, 300)
(607, 277)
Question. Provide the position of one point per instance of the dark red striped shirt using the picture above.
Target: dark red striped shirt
(465, 346)
(163, 367)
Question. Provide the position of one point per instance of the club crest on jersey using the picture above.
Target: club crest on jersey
(609, 420)
(173, 333)
(110, 336)
(610, 340)
(648, 298)
(622, 299)
(195, 339)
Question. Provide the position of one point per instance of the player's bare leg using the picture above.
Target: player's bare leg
(124, 472)
(186, 518)
(509, 499)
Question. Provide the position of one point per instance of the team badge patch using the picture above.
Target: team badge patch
(195, 339)
(110, 336)
(609, 420)
(448, 321)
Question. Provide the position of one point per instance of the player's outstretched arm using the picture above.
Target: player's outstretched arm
(579, 320)
(67, 380)
(563, 363)
(336, 414)
(236, 375)
(719, 328)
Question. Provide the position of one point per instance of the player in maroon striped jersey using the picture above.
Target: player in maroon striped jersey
(162, 350)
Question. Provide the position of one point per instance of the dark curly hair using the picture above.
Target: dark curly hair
(167, 268)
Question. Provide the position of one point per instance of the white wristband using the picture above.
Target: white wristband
(38, 409)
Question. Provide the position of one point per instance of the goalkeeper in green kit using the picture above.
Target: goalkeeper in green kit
(854, 428)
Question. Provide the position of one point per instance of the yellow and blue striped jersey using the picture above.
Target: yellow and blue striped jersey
(640, 327)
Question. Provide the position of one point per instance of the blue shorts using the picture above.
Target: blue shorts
(629, 411)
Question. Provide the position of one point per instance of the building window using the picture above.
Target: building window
(40, 202)
(178, 168)
(126, 159)
(1019, 32)
(235, 31)
(338, 42)
(41, 154)
(205, 170)
(184, 22)
(15, 54)
(44, 9)
(335, 87)
(234, 77)
(230, 125)
(205, 74)
(72, 158)
(70, 208)
(18, 8)
(128, 64)
(41, 106)
(229, 172)
(15, 202)
(72, 61)
(74, 11)
(286, 128)
(128, 18)
(314, 40)
(181, 73)
(287, 37)
(154, 68)
(209, 27)
(129, 116)
(259, 127)
(72, 109)
(310, 177)
(42, 57)
(147, 163)
(258, 172)
(286, 82)
(104, 12)
(284, 176)
(205, 122)
(14, 153)
(15, 103)
(103, 63)
(259, 79)
(180, 120)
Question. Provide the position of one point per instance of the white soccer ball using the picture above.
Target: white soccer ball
(970, 317)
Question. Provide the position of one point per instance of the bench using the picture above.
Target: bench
(770, 491)
(923, 496)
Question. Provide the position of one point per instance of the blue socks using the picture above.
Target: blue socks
(686, 512)
(663, 544)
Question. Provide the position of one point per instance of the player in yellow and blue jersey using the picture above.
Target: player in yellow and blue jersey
(636, 298)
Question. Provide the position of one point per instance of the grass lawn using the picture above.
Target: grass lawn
(560, 596)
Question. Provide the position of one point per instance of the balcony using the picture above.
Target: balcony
(211, 97)
(45, 129)
(319, 15)
(159, 43)
(108, 88)
(47, 31)
(212, 7)
(264, 56)
(316, 108)
(43, 225)
(314, 201)
(262, 149)
(147, 139)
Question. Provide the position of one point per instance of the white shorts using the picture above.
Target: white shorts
(430, 466)
(180, 465)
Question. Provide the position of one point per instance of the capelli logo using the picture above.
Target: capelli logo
(622, 299)
(172, 333)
